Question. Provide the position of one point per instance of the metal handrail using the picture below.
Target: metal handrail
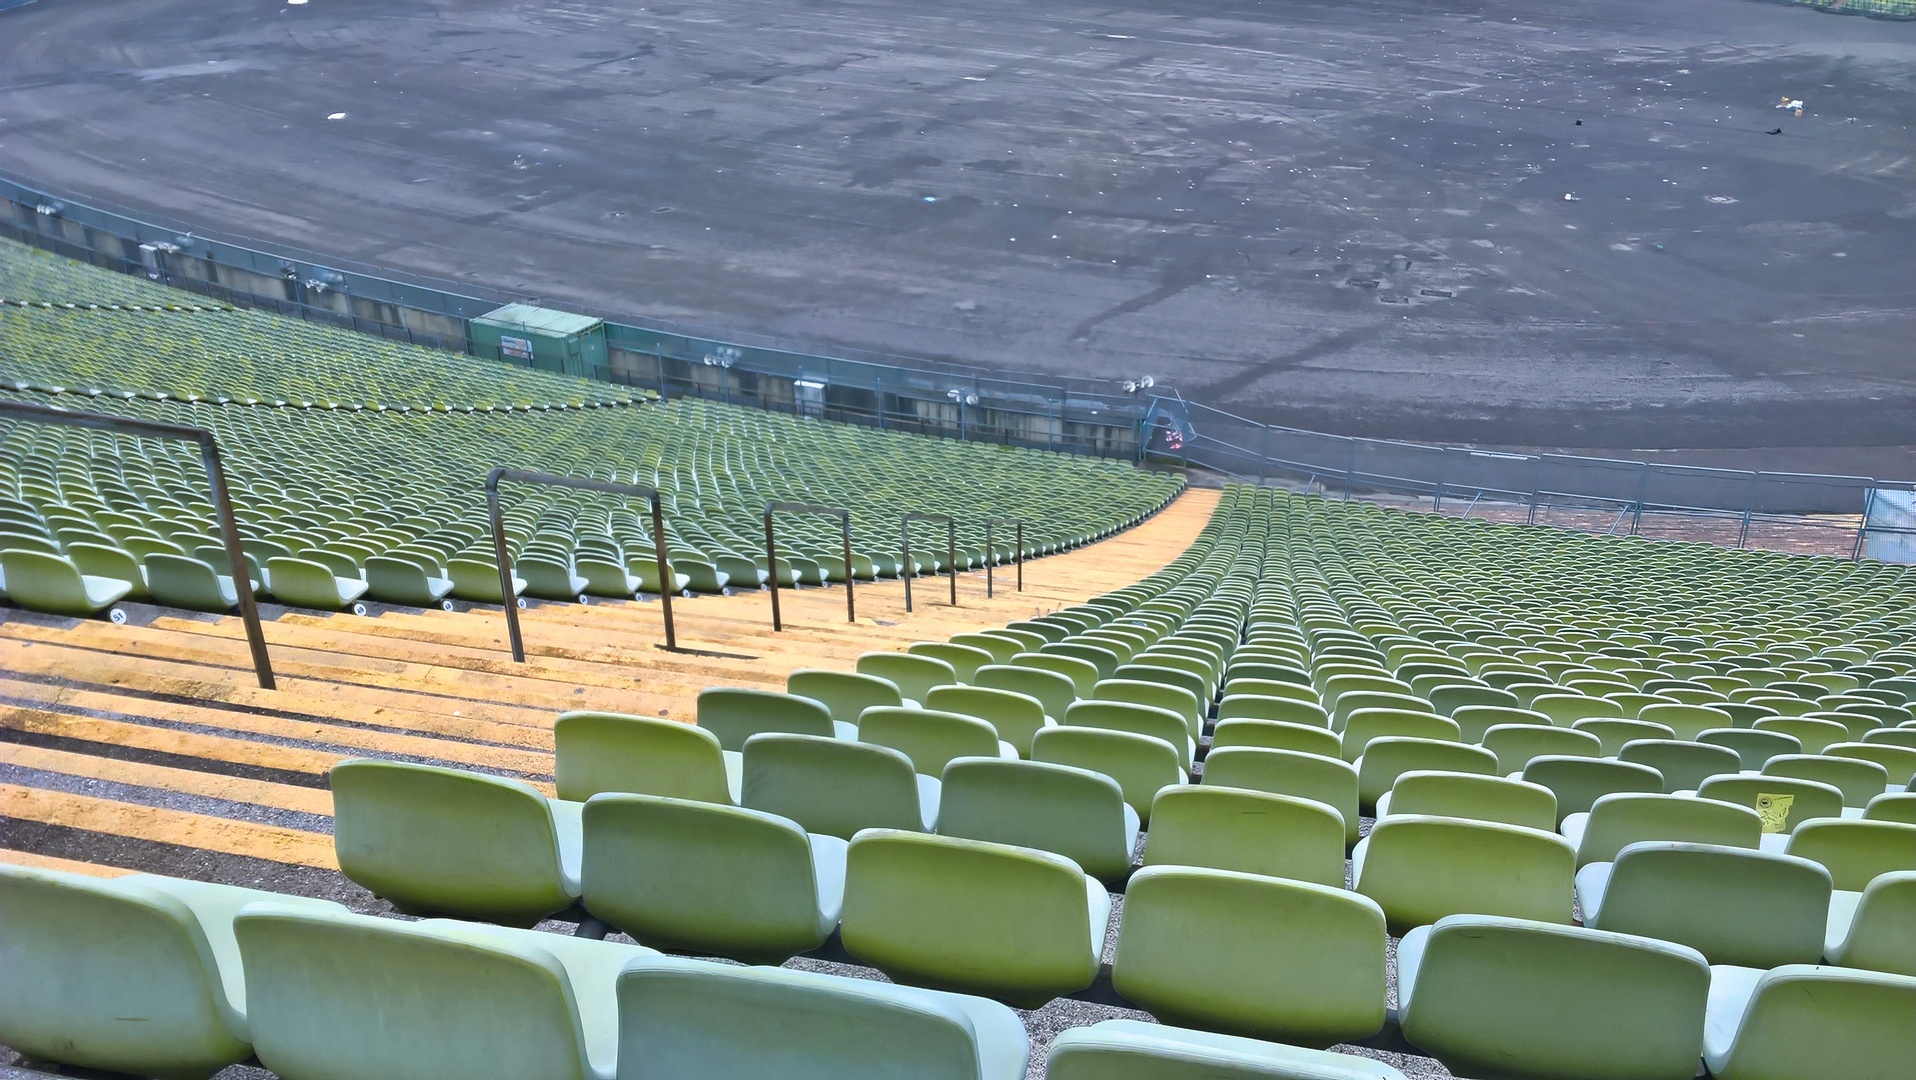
(951, 551)
(771, 552)
(991, 553)
(509, 595)
(215, 478)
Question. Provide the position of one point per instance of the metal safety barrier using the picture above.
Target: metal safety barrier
(509, 595)
(771, 552)
(215, 479)
(991, 552)
(906, 566)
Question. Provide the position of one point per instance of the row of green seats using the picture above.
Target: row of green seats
(163, 977)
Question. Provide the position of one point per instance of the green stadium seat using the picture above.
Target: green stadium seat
(710, 879)
(1131, 1050)
(914, 675)
(1386, 758)
(1892, 806)
(1141, 764)
(1276, 735)
(598, 752)
(845, 693)
(1734, 905)
(1252, 955)
(1517, 998)
(1859, 780)
(53, 584)
(1298, 774)
(361, 998)
(1156, 723)
(1875, 929)
(965, 660)
(1471, 796)
(1012, 923)
(1800, 1020)
(697, 1020)
(1578, 782)
(1516, 744)
(735, 714)
(1420, 869)
(137, 974)
(1252, 832)
(836, 787)
(1157, 695)
(1017, 717)
(1683, 765)
(1053, 691)
(1752, 747)
(931, 738)
(1068, 811)
(1855, 852)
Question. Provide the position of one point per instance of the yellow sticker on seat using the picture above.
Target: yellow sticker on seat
(1775, 812)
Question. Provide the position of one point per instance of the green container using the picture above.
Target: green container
(541, 338)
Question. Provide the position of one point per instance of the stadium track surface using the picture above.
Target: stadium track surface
(1351, 216)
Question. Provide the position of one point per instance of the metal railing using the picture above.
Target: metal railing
(844, 517)
(509, 593)
(906, 565)
(991, 552)
(215, 479)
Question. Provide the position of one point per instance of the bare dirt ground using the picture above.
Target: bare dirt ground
(1540, 224)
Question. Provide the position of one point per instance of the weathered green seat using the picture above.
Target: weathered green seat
(1276, 735)
(1104, 659)
(1132, 1050)
(184, 582)
(1802, 1021)
(1364, 725)
(1017, 717)
(1252, 955)
(1734, 905)
(1579, 782)
(1016, 924)
(1082, 673)
(1353, 702)
(1053, 691)
(1613, 732)
(845, 693)
(1276, 688)
(646, 569)
(1474, 721)
(687, 1020)
(1566, 709)
(834, 786)
(1683, 765)
(1615, 821)
(1814, 734)
(1855, 852)
(1875, 929)
(1141, 764)
(440, 841)
(1327, 780)
(931, 738)
(1145, 720)
(735, 714)
(1157, 695)
(1420, 869)
(1388, 757)
(1063, 809)
(1687, 721)
(101, 561)
(1469, 795)
(1001, 649)
(705, 878)
(1167, 670)
(308, 584)
(353, 997)
(400, 581)
(1892, 806)
(1859, 780)
(1249, 831)
(597, 752)
(1784, 802)
(1502, 997)
(1262, 707)
(1516, 744)
(965, 660)
(478, 580)
(607, 578)
(53, 584)
(549, 577)
(137, 974)
(1899, 762)
(914, 675)
(1752, 747)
